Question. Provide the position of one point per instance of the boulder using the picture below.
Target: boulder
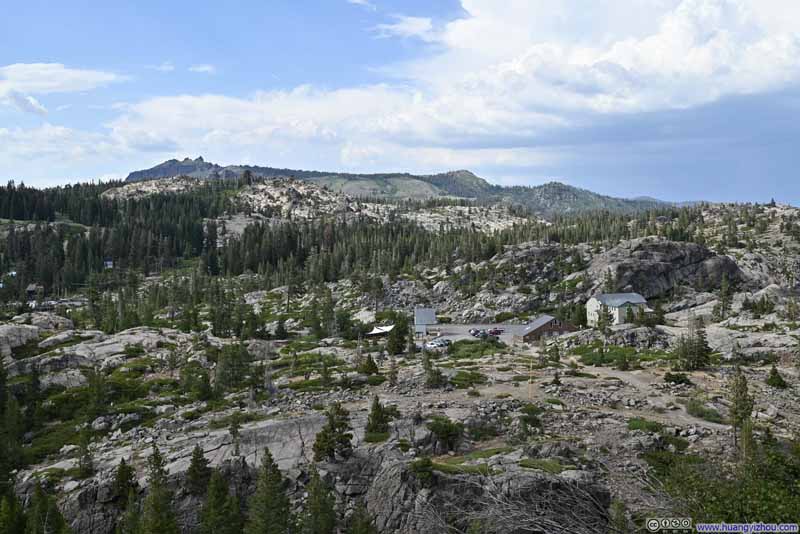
(13, 336)
(44, 320)
(654, 266)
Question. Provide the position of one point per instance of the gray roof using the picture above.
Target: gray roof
(536, 324)
(618, 299)
(425, 316)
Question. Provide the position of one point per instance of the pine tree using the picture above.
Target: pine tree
(361, 522)
(775, 379)
(198, 473)
(130, 522)
(604, 322)
(391, 375)
(221, 513)
(368, 367)
(3, 389)
(433, 375)
(12, 516)
(123, 480)
(556, 379)
(741, 402)
(630, 317)
(43, 515)
(618, 518)
(609, 282)
(320, 515)
(723, 305)
(378, 420)
(233, 430)
(280, 330)
(269, 510)
(396, 341)
(334, 438)
(85, 459)
(158, 517)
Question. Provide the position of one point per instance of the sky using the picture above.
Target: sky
(673, 99)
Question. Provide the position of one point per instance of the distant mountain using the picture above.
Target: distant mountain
(546, 200)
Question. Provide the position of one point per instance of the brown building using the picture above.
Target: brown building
(543, 326)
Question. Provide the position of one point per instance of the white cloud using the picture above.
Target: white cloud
(20, 81)
(363, 3)
(499, 82)
(166, 66)
(26, 103)
(48, 78)
(404, 26)
(478, 100)
(205, 68)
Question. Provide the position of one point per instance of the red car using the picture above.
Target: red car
(495, 331)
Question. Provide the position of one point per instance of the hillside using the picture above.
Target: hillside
(190, 325)
(544, 200)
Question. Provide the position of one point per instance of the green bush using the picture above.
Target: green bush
(547, 465)
(467, 379)
(467, 349)
(698, 409)
(530, 416)
(775, 379)
(423, 471)
(677, 378)
(376, 380)
(639, 423)
(447, 432)
(376, 437)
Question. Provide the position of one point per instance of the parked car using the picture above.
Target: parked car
(437, 344)
(473, 332)
(495, 331)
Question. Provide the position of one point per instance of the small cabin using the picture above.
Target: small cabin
(545, 326)
(34, 291)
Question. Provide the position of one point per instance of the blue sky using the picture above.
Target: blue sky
(676, 99)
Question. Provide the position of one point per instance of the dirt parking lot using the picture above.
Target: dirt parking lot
(456, 332)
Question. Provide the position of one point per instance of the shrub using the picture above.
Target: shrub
(376, 380)
(639, 423)
(549, 466)
(698, 409)
(447, 432)
(677, 378)
(423, 471)
(530, 416)
(775, 379)
(376, 437)
(467, 379)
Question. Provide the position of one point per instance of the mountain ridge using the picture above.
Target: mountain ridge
(546, 199)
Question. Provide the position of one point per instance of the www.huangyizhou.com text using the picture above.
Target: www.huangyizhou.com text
(746, 528)
(684, 525)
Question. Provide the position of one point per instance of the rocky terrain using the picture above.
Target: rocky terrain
(546, 200)
(580, 433)
(284, 198)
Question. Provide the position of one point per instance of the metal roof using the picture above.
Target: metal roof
(618, 299)
(425, 316)
(537, 324)
(380, 330)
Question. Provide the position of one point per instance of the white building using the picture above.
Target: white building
(423, 318)
(617, 304)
